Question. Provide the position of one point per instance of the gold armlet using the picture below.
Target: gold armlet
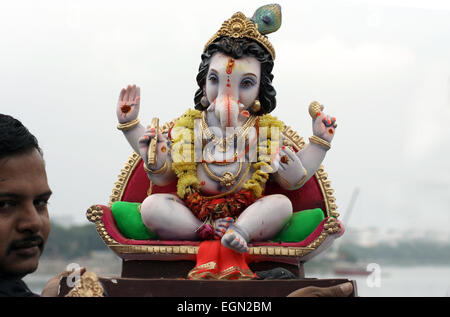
(319, 141)
(162, 170)
(128, 125)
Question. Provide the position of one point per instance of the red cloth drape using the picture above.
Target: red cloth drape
(214, 261)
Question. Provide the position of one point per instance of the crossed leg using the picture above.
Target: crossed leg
(262, 220)
(169, 218)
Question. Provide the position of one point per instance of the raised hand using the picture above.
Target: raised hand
(324, 126)
(128, 104)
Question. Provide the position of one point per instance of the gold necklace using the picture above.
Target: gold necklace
(212, 160)
(227, 179)
(236, 187)
(222, 144)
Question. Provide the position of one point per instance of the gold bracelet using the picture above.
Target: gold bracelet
(302, 180)
(319, 141)
(298, 184)
(128, 125)
(158, 171)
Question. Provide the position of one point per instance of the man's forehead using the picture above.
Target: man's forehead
(32, 156)
(24, 172)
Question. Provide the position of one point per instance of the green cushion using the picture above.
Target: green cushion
(129, 221)
(300, 226)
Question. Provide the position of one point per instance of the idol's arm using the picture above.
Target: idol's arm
(133, 136)
(160, 173)
(294, 170)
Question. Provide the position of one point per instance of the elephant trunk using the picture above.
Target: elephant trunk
(227, 110)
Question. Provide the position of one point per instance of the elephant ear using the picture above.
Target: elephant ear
(268, 18)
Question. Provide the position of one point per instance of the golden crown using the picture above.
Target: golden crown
(239, 26)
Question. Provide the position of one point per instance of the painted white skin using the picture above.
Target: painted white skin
(231, 95)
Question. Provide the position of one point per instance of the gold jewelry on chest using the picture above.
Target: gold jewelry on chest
(227, 179)
(222, 144)
(209, 158)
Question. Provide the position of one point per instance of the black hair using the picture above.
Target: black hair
(237, 48)
(15, 137)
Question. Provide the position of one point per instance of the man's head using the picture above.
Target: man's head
(24, 193)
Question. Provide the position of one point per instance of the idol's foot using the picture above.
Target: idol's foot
(235, 238)
(221, 226)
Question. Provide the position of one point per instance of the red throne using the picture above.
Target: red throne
(133, 185)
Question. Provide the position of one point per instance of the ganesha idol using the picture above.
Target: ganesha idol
(222, 154)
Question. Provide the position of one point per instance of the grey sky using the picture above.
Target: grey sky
(381, 67)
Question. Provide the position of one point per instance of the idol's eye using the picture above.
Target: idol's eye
(248, 83)
(213, 79)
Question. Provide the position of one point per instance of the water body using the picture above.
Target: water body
(401, 281)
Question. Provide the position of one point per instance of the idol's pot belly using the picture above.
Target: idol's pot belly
(211, 187)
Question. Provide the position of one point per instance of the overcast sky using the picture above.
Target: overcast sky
(381, 67)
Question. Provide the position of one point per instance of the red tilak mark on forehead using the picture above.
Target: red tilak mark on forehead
(230, 66)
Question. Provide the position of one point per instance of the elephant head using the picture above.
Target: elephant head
(232, 86)
(233, 74)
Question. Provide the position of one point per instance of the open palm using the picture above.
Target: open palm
(128, 104)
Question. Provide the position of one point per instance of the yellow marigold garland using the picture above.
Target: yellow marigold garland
(187, 171)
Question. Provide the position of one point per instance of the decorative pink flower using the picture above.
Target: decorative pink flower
(206, 232)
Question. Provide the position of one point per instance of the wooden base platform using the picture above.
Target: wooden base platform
(138, 287)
